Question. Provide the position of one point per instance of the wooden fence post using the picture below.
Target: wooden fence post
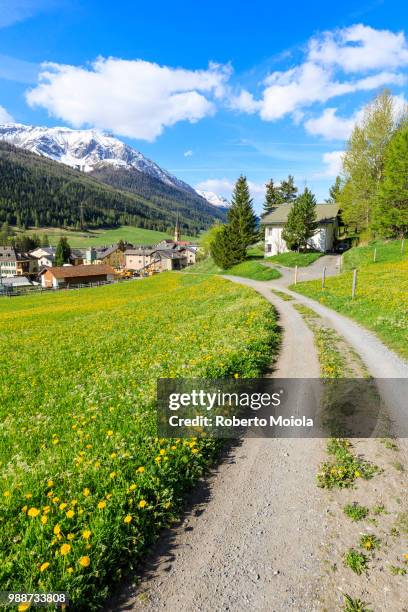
(375, 255)
(402, 245)
(323, 277)
(296, 274)
(353, 291)
(340, 263)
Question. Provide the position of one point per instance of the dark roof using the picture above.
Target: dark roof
(140, 251)
(10, 254)
(169, 254)
(324, 214)
(76, 271)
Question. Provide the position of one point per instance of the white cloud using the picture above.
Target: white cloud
(188, 153)
(330, 125)
(225, 187)
(323, 74)
(333, 127)
(333, 161)
(129, 97)
(5, 117)
(360, 48)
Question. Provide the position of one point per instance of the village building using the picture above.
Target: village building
(71, 276)
(165, 261)
(13, 263)
(111, 256)
(137, 259)
(323, 240)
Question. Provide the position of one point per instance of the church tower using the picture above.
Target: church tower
(177, 232)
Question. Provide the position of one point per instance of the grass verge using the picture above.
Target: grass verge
(380, 303)
(292, 259)
(251, 268)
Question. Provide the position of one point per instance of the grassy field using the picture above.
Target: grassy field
(251, 268)
(134, 235)
(292, 259)
(381, 301)
(85, 483)
(386, 252)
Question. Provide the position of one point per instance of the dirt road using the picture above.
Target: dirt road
(255, 537)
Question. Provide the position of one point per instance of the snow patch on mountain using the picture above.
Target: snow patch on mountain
(213, 198)
(84, 150)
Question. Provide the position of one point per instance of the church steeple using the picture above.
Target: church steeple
(177, 232)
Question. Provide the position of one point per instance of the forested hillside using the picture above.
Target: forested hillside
(157, 192)
(35, 191)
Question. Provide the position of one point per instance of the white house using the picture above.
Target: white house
(323, 240)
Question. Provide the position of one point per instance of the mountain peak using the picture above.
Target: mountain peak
(84, 150)
(213, 198)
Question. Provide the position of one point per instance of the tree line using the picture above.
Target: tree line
(37, 192)
(372, 191)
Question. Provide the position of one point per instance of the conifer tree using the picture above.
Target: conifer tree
(241, 216)
(227, 248)
(63, 252)
(301, 224)
(288, 190)
(272, 197)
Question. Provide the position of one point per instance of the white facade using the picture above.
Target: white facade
(323, 240)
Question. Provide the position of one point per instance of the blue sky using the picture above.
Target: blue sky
(207, 90)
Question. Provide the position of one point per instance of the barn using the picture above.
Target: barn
(71, 276)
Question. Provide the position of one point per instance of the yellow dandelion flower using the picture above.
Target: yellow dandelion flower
(24, 509)
(56, 500)
(406, 556)
(63, 506)
(70, 570)
(132, 487)
(112, 475)
(357, 474)
(44, 520)
(69, 513)
(127, 519)
(50, 483)
(33, 512)
(44, 566)
(109, 433)
(84, 561)
(194, 450)
(140, 470)
(86, 534)
(23, 607)
(74, 502)
(57, 530)
(28, 495)
(162, 451)
(86, 492)
(65, 549)
(142, 503)
(6, 493)
(70, 536)
(101, 505)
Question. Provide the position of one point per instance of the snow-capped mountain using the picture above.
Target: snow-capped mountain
(84, 150)
(213, 198)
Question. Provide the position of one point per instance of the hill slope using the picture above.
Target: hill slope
(37, 191)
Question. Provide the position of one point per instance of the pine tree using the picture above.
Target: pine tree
(288, 190)
(227, 248)
(334, 191)
(63, 252)
(272, 197)
(391, 213)
(301, 224)
(241, 216)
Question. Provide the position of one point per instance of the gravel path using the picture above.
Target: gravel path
(255, 532)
